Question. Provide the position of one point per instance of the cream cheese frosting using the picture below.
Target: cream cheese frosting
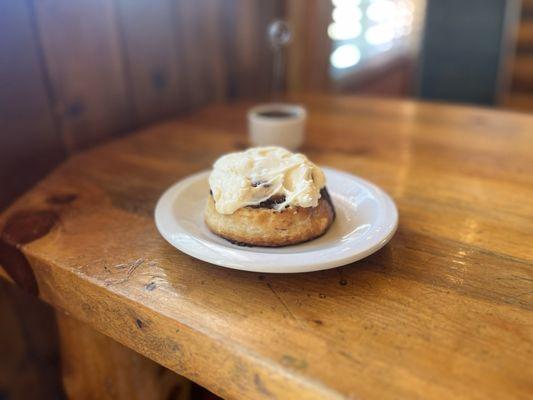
(250, 177)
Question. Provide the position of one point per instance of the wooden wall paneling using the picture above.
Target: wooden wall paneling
(294, 11)
(318, 45)
(153, 58)
(251, 69)
(83, 52)
(199, 27)
(241, 28)
(230, 49)
(308, 54)
(29, 143)
(216, 33)
(266, 13)
(516, 82)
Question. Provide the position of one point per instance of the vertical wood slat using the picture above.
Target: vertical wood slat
(29, 143)
(214, 22)
(266, 13)
(308, 54)
(97, 367)
(29, 362)
(83, 55)
(153, 57)
(199, 27)
(295, 11)
(247, 22)
(318, 45)
(243, 40)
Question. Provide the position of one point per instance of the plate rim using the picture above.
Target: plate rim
(296, 267)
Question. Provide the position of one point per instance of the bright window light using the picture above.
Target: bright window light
(360, 28)
(346, 15)
(379, 34)
(381, 10)
(338, 31)
(345, 56)
(397, 14)
(346, 3)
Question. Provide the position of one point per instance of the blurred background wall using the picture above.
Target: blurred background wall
(75, 73)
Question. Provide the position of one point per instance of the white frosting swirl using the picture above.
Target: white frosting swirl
(250, 177)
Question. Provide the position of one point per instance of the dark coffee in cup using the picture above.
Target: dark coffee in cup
(277, 114)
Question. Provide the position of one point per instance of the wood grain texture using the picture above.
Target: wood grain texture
(443, 311)
(203, 38)
(96, 367)
(154, 58)
(29, 365)
(83, 52)
(249, 51)
(309, 52)
(29, 142)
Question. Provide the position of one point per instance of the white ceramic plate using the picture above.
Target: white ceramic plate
(366, 220)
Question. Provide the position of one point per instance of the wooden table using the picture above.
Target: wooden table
(443, 311)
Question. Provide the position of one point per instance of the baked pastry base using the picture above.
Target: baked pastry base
(253, 226)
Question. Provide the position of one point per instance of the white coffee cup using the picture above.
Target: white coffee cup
(277, 124)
